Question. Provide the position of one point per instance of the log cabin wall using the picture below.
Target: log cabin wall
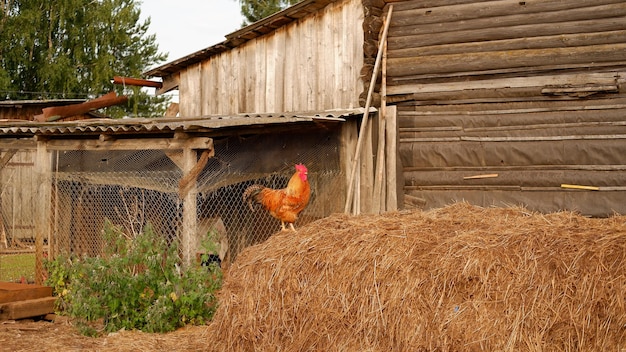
(504, 102)
(311, 64)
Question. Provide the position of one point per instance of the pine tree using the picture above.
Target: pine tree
(254, 10)
(73, 48)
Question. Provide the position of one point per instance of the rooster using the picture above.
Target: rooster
(283, 204)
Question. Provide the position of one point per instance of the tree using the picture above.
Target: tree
(73, 48)
(254, 10)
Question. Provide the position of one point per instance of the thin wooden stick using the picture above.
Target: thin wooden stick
(368, 102)
(379, 190)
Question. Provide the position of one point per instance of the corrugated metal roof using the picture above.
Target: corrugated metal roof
(21, 128)
(241, 36)
(48, 102)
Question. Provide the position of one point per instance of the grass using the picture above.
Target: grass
(15, 266)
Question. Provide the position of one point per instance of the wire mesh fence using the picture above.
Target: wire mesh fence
(139, 188)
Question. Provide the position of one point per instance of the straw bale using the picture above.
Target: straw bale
(459, 278)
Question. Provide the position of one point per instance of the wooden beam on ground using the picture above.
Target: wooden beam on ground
(27, 308)
(12, 291)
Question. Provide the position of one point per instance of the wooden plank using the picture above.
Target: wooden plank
(190, 91)
(169, 83)
(487, 31)
(129, 81)
(532, 10)
(475, 177)
(11, 292)
(601, 78)
(172, 110)
(6, 158)
(27, 308)
(209, 78)
(505, 59)
(528, 42)
(132, 144)
(581, 187)
(391, 158)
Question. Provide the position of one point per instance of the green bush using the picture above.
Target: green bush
(137, 283)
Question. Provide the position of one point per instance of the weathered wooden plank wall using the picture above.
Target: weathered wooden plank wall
(311, 64)
(532, 91)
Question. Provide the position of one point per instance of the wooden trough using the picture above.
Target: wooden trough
(19, 301)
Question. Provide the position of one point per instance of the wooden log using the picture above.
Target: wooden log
(27, 308)
(541, 42)
(482, 32)
(59, 112)
(418, 4)
(501, 8)
(505, 59)
(601, 78)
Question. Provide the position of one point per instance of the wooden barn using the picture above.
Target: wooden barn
(391, 104)
(497, 102)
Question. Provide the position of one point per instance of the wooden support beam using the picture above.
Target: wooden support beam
(58, 112)
(170, 82)
(391, 151)
(189, 245)
(43, 167)
(111, 143)
(128, 81)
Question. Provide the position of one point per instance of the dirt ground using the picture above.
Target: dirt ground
(60, 335)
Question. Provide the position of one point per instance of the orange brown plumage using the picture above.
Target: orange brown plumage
(283, 204)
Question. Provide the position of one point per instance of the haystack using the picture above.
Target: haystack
(460, 278)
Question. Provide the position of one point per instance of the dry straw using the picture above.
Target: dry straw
(460, 278)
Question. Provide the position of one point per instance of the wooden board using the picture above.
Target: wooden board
(12, 292)
(27, 309)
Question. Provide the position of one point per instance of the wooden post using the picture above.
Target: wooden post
(391, 152)
(189, 244)
(366, 112)
(42, 210)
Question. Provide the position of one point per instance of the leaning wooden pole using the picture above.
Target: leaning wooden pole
(379, 176)
(368, 102)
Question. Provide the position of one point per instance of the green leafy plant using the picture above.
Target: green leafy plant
(137, 283)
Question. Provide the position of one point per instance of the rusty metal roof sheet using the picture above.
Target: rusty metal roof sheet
(22, 128)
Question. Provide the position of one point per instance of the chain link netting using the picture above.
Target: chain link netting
(135, 189)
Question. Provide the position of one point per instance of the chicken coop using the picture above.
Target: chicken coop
(182, 177)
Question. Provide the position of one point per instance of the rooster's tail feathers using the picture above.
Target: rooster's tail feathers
(250, 195)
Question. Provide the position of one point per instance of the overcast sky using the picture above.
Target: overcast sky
(183, 27)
